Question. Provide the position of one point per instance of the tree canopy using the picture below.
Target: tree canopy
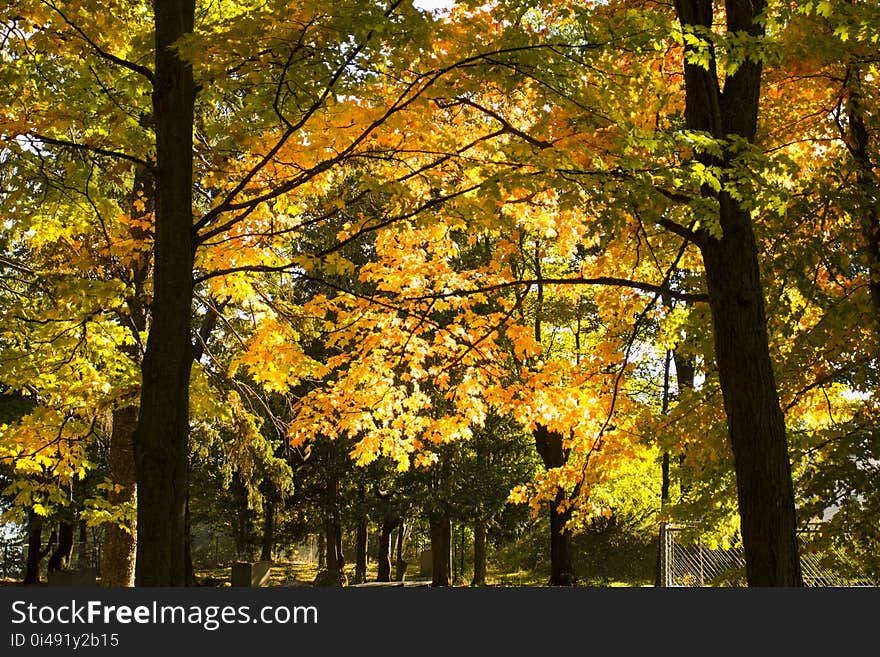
(645, 235)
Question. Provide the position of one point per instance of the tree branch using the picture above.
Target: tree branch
(576, 280)
(131, 66)
(106, 152)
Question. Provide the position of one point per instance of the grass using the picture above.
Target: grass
(299, 573)
(290, 573)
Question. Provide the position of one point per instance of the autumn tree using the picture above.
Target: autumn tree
(289, 201)
(305, 68)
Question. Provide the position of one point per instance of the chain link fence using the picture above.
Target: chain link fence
(689, 562)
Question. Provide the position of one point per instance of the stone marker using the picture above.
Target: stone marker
(251, 574)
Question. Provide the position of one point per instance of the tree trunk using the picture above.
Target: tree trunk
(461, 549)
(441, 541)
(384, 561)
(160, 439)
(335, 558)
(268, 529)
(664, 465)
(684, 376)
(550, 448)
(399, 563)
(561, 567)
(120, 542)
(756, 425)
(685, 373)
(858, 140)
(35, 550)
(480, 532)
(60, 559)
(322, 553)
(82, 558)
(360, 548)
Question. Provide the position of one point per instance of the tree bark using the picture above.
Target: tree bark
(60, 559)
(384, 562)
(161, 450)
(333, 532)
(550, 447)
(399, 563)
(858, 141)
(360, 548)
(756, 425)
(480, 533)
(441, 541)
(664, 465)
(561, 566)
(332, 524)
(36, 552)
(82, 558)
(120, 542)
(685, 374)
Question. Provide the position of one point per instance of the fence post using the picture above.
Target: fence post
(665, 555)
(702, 569)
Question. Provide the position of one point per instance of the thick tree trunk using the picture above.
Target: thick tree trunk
(858, 139)
(60, 559)
(335, 558)
(120, 542)
(332, 524)
(550, 447)
(161, 451)
(755, 421)
(441, 541)
(399, 563)
(561, 566)
(480, 532)
(36, 552)
(384, 561)
(360, 548)
(756, 424)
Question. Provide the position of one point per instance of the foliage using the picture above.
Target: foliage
(418, 237)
